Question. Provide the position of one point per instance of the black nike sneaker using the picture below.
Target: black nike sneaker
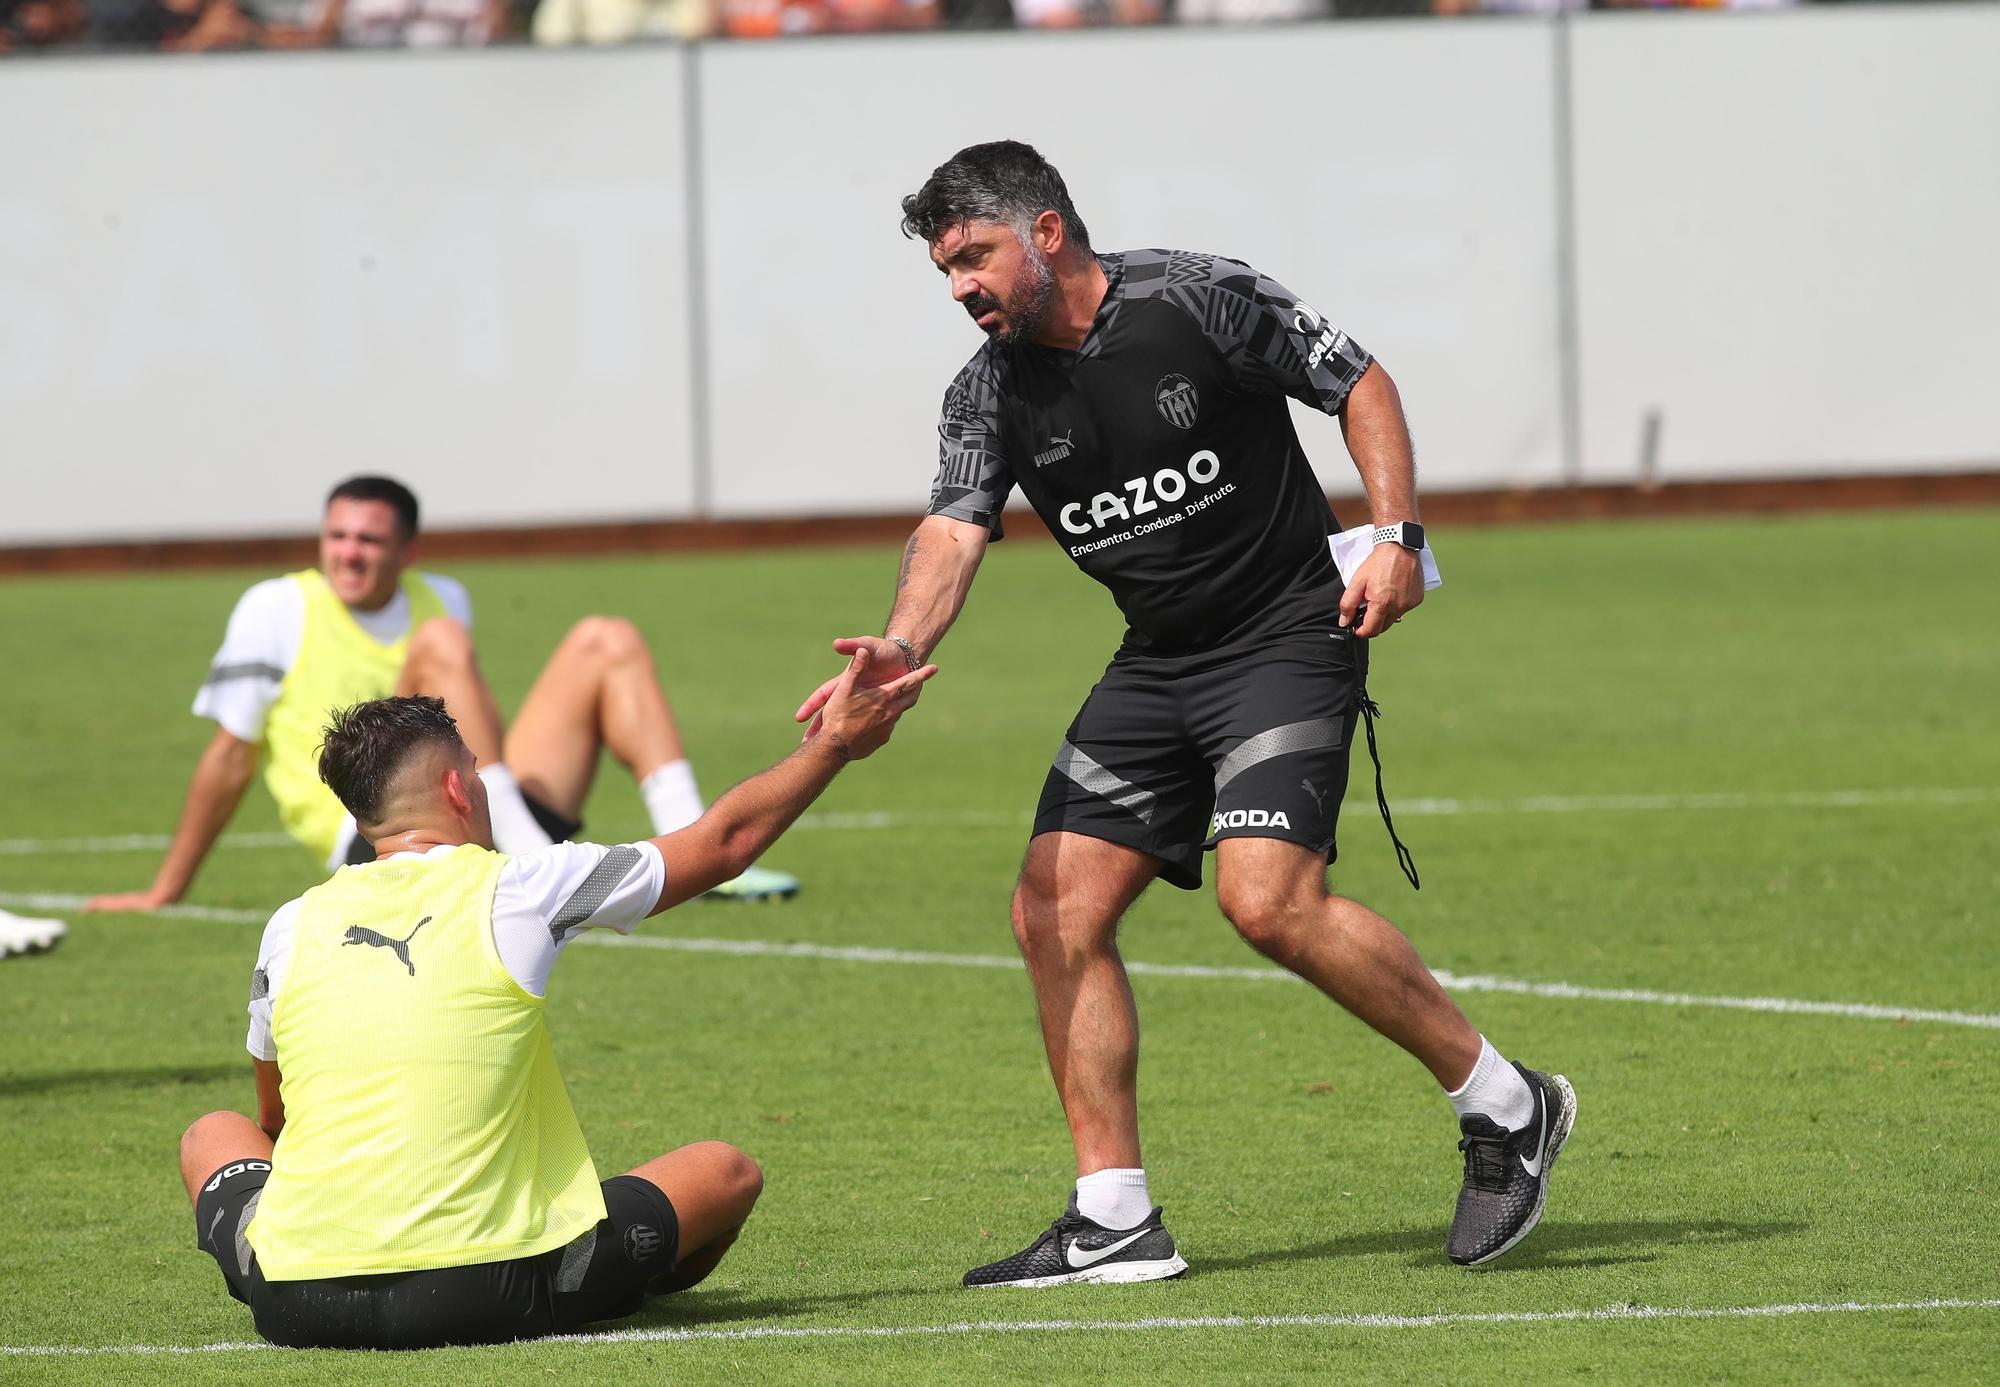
(1077, 1250)
(1507, 1173)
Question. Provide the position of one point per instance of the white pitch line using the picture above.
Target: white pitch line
(43, 900)
(1914, 797)
(761, 948)
(132, 842)
(1471, 982)
(1614, 1313)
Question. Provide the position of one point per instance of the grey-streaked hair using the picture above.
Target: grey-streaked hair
(1005, 181)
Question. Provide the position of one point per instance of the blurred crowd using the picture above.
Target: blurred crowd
(201, 25)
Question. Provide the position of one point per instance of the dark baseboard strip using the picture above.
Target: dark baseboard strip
(1441, 509)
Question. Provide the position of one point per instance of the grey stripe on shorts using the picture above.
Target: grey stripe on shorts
(1099, 781)
(1279, 741)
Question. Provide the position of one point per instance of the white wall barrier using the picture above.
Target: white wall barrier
(225, 283)
(660, 282)
(1786, 229)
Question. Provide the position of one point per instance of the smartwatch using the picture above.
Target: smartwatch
(1407, 533)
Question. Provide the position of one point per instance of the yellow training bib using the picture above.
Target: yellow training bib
(425, 1122)
(339, 664)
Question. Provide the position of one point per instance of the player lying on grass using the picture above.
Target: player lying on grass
(416, 1175)
(1138, 400)
(365, 624)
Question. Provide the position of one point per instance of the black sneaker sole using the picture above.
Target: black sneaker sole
(1564, 1121)
(1111, 1274)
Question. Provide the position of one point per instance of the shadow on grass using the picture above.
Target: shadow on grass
(1552, 1245)
(85, 1080)
(700, 1306)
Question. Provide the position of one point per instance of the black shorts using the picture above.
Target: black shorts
(602, 1275)
(558, 826)
(1171, 754)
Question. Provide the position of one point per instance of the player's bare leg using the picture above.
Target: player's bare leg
(712, 1187)
(1072, 892)
(214, 1141)
(599, 690)
(1275, 894)
(1514, 1120)
(442, 663)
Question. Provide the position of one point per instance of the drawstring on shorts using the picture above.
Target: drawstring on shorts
(1370, 711)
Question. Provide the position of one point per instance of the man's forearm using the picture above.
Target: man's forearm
(740, 825)
(939, 564)
(220, 778)
(1378, 439)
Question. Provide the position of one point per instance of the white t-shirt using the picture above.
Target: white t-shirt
(584, 885)
(263, 639)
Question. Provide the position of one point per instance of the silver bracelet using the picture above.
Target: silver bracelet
(909, 652)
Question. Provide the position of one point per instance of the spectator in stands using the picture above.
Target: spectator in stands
(873, 16)
(39, 23)
(1258, 11)
(411, 23)
(621, 21)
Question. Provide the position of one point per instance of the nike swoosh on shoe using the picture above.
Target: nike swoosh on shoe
(1086, 1256)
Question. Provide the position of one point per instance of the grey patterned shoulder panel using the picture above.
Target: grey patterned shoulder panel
(1272, 341)
(973, 476)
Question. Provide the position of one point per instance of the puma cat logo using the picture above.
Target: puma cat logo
(361, 934)
(1319, 797)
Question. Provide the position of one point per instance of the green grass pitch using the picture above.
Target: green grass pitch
(1743, 674)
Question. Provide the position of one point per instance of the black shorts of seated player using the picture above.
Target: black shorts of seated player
(1171, 754)
(602, 1275)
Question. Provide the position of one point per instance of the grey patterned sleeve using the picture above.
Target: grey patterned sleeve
(973, 478)
(1274, 342)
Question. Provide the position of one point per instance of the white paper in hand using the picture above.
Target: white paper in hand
(1350, 547)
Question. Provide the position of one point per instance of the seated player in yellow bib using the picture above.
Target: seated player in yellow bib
(366, 624)
(416, 1176)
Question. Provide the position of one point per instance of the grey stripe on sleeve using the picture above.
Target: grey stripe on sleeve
(260, 985)
(223, 674)
(590, 897)
(1099, 781)
(1279, 741)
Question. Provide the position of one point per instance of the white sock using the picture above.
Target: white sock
(671, 797)
(1495, 1089)
(514, 826)
(1115, 1198)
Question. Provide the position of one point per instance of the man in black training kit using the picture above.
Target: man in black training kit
(1138, 402)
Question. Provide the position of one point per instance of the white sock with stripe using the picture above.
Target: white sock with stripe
(1115, 1198)
(514, 826)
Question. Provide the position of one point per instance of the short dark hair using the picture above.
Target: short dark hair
(364, 746)
(1005, 181)
(385, 489)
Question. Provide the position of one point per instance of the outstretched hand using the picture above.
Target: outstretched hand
(857, 710)
(885, 665)
(128, 902)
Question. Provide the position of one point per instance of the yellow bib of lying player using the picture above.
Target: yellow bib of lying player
(338, 665)
(425, 1122)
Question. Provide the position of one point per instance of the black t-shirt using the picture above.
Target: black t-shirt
(1161, 454)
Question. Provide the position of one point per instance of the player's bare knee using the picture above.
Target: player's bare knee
(440, 643)
(739, 1174)
(607, 640)
(1268, 919)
